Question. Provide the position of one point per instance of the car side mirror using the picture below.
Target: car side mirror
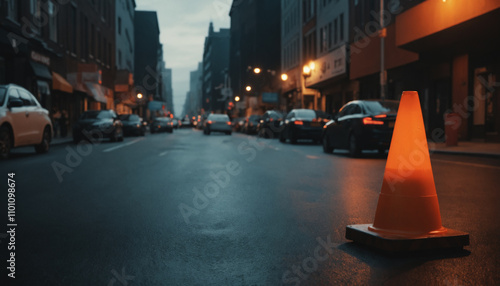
(15, 102)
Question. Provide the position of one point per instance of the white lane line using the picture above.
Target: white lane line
(123, 145)
(466, 164)
(163, 153)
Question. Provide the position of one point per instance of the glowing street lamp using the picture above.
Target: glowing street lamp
(139, 95)
(256, 70)
(248, 88)
(306, 71)
(237, 98)
(284, 77)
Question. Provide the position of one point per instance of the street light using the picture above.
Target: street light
(237, 98)
(139, 95)
(284, 77)
(248, 88)
(256, 70)
(306, 71)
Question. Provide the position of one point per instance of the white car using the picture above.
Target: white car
(23, 121)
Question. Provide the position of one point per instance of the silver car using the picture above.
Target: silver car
(217, 123)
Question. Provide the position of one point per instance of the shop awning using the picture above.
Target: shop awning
(60, 83)
(96, 91)
(40, 70)
(43, 87)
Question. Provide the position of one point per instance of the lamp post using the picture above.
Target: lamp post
(382, 35)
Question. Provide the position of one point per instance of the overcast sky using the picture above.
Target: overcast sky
(183, 27)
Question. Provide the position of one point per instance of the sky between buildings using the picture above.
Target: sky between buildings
(183, 27)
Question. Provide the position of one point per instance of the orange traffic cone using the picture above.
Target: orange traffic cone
(407, 216)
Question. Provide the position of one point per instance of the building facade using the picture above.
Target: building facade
(215, 61)
(147, 58)
(125, 97)
(62, 52)
(255, 43)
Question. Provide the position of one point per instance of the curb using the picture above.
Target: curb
(473, 154)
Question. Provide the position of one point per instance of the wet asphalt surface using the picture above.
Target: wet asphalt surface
(191, 209)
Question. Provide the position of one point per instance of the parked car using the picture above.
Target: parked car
(250, 125)
(269, 125)
(217, 123)
(96, 124)
(238, 123)
(23, 121)
(186, 122)
(132, 125)
(162, 124)
(361, 125)
(303, 124)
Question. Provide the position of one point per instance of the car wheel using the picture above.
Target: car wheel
(44, 146)
(326, 145)
(120, 136)
(5, 143)
(354, 149)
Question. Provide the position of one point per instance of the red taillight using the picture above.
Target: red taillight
(298, 122)
(209, 121)
(271, 119)
(370, 121)
(229, 123)
(381, 116)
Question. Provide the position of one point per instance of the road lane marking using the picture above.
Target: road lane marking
(312, 157)
(122, 145)
(163, 154)
(467, 164)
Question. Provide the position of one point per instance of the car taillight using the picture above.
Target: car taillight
(229, 123)
(209, 121)
(370, 121)
(298, 122)
(271, 119)
(381, 116)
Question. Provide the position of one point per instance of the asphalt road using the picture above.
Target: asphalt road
(191, 209)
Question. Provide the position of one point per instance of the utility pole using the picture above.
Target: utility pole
(382, 35)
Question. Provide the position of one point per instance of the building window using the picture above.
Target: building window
(330, 35)
(321, 38)
(52, 21)
(92, 41)
(12, 10)
(119, 26)
(341, 27)
(109, 54)
(73, 29)
(335, 31)
(119, 59)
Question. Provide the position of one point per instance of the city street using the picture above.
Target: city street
(191, 209)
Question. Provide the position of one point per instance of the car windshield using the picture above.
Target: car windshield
(378, 107)
(219, 117)
(96, 115)
(275, 115)
(305, 114)
(3, 91)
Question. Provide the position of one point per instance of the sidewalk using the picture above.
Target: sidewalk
(62, 140)
(467, 148)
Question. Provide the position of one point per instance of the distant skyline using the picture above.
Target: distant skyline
(183, 28)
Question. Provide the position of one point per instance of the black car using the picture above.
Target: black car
(161, 124)
(132, 125)
(269, 125)
(303, 124)
(361, 125)
(250, 125)
(98, 124)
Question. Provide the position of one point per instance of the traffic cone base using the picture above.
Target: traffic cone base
(393, 243)
(407, 216)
